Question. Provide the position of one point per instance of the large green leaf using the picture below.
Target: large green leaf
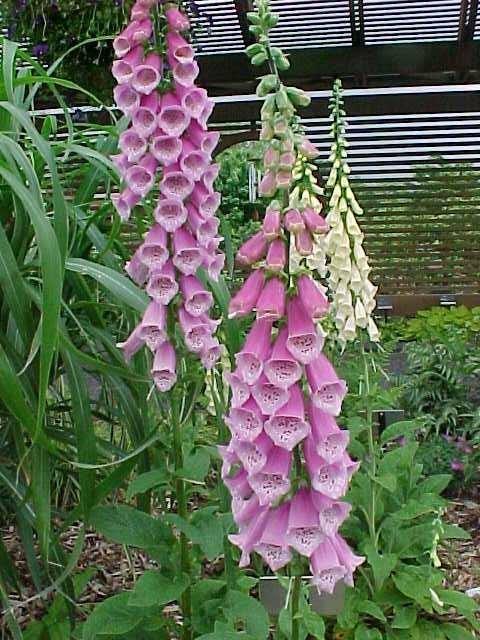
(419, 506)
(146, 481)
(314, 623)
(112, 617)
(382, 564)
(405, 617)
(127, 525)
(398, 429)
(458, 600)
(456, 632)
(434, 484)
(154, 589)
(250, 612)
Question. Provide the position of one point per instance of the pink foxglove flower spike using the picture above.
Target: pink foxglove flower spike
(167, 146)
(285, 392)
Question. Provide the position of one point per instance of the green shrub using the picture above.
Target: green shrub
(441, 381)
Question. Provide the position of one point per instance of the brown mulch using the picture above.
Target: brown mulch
(117, 571)
(461, 558)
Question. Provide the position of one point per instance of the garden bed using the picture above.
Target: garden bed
(116, 571)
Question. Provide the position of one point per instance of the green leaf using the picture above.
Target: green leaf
(13, 396)
(386, 480)
(226, 635)
(426, 630)
(434, 484)
(413, 582)
(121, 287)
(112, 617)
(399, 634)
(314, 623)
(456, 632)
(146, 481)
(372, 609)
(127, 525)
(210, 532)
(205, 530)
(364, 633)
(399, 457)
(285, 623)
(399, 429)
(196, 465)
(458, 600)
(250, 611)
(9, 53)
(453, 531)
(405, 617)
(207, 600)
(419, 506)
(382, 565)
(153, 589)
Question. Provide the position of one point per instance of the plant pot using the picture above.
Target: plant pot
(273, 597)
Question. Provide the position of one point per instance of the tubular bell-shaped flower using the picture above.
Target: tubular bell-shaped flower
(285, 392)
(167, 146)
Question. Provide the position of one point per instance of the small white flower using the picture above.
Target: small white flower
(350, 330)
(373, 332)
(352, 225)
(360, 315)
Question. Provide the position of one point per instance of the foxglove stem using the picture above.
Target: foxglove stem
(182, 509)
(371, 447)
(216, 384)
(296, 593)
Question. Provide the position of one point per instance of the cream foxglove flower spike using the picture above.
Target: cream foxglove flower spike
(353, 294)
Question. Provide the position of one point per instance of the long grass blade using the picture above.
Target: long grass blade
(8, 67)
(52, 274)
(13, 288)
(41, 494)
(123, 289)
(60, 214)
(84, 430)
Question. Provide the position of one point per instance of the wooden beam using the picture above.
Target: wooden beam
(315, 68)
(468, 19)
(357, 22)
(410, 304)
(363, 104)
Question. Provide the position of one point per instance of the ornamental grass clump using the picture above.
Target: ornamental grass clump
(286, 465)
(166, 152)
